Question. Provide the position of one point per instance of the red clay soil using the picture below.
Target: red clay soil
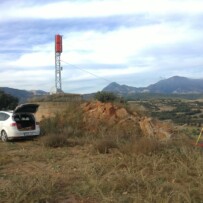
(104, 116)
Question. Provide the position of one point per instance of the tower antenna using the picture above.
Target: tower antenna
(58, 68)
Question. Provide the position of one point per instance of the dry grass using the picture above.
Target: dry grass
(141, 145)
(103, 146)
(32, 173)
(102, 168)
(68, 121)
(55, 140)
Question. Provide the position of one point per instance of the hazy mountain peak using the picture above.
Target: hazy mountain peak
(114, 84)
(172, 85)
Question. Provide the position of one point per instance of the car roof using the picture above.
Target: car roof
(8, 112)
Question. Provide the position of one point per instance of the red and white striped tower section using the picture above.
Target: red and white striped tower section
(58, 68)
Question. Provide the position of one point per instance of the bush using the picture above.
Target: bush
(105, 97)
(103, 146)
(55, 140)
(7, 101)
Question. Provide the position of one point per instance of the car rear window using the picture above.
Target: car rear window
(3, 116)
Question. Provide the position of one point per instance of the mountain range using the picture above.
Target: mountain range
(23, 95)
(173, 85)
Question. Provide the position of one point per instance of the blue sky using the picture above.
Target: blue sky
(130, 42)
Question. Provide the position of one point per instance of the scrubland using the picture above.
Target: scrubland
(70, 163)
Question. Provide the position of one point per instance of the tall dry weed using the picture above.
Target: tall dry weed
(42, 188)
(103, 146)
(69, 120)
(142, 145)
(55, 140)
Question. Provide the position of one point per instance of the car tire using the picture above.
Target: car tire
(4, 136)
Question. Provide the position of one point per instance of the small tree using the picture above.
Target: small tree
(7, 101)
(105, 97)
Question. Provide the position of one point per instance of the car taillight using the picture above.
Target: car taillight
(18, 125)
(13, 124)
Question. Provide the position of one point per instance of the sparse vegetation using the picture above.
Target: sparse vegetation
(171, 173)
(70, 164)
(181, 112)
(104, 146)
(68, 121)
(55, 140)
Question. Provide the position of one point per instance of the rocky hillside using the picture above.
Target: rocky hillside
(100, 117)
(110, 116)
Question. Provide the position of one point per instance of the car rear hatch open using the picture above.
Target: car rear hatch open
(24, 118)
(26, 108)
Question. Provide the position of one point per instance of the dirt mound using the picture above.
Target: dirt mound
(104, 116)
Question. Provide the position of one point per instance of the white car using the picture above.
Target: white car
(19, 123)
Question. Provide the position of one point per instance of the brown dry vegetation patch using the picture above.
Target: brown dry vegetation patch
(109, 116)
(34, 173)
(88, 159)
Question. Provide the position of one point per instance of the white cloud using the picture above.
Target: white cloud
(75, 74)
(116, 47)
(27, 79)
(155, 46)
(70, 9)
(33, 60)
(113, 47)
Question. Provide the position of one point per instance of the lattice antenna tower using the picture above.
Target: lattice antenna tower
(58, 68)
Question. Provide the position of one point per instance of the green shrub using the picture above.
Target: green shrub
(105, 96)
(7, 101)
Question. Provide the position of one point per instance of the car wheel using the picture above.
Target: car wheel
(4, 136)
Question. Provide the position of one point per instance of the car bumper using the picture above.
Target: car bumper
(15, 134)
(22, 138)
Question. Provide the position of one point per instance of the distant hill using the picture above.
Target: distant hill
(178, 85)
(38, 92)
(120, 89)
(22, 95)
(173, 85)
